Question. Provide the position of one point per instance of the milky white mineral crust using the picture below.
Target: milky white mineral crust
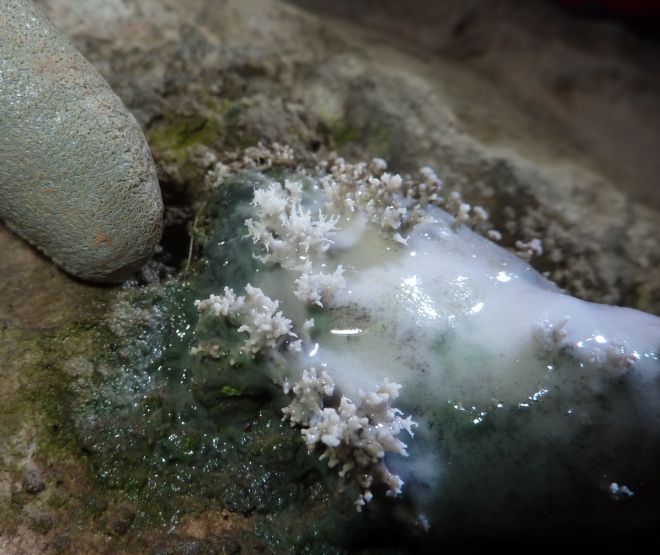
(411, 305)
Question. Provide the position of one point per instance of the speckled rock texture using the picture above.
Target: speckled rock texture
(76, 176)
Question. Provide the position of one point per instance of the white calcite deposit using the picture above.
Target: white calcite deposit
(379, 293)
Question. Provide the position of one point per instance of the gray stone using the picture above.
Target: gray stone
(76, 176)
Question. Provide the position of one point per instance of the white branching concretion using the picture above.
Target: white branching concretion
(289, 234)
(294, 239)
(308, 393)
(379, 194)
(354, 437)
(319, 288)
(255, 314)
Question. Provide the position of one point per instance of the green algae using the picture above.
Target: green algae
(44, 371)
(176, 134)
(53, 366)
(176, 435)
(375, 137)
(340, 132)
(179, 432)
(230, 391)
(216, 123)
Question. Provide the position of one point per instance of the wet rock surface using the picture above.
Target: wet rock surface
(205, 79)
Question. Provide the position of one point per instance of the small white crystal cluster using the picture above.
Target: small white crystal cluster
(296, 240)
(255, 314)
(527, 249)
(598, 351)
(354, 435)
(313, 288)
(259, 158)
(392, 201)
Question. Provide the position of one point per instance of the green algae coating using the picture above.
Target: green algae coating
(216, 124)
(376, 138)
(36, 425)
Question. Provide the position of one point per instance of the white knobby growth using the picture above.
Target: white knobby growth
(551, 337)
(318, 288)
(255, 314)
(355, 437)
(289, 234)
(526, 250)
(217, 175)
(265, 156)
(611, 355)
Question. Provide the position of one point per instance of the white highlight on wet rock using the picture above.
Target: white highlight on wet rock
(618, 492)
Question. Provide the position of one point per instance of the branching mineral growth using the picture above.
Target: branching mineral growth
(515, 390)
(76, 176)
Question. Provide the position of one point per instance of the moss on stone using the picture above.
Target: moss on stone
(174, 135)
(340, 132)
(230, 391)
